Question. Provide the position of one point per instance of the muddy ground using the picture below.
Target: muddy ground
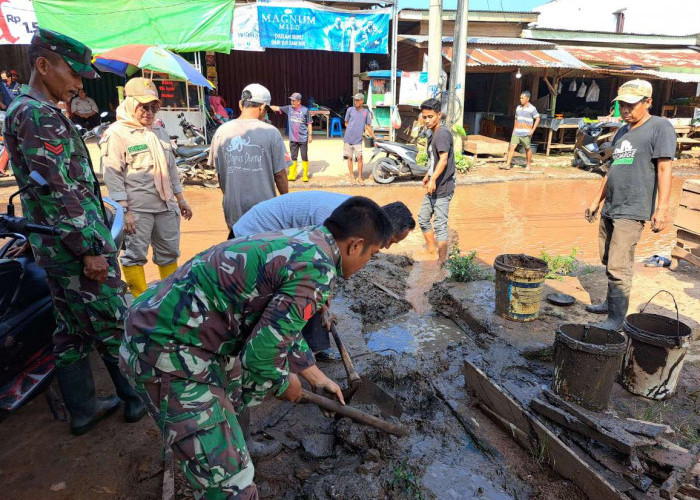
(408, 349)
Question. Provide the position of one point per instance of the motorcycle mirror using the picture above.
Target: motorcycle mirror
(39, 183)
(36, 181)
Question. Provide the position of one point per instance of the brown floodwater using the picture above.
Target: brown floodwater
(504, 217)
(495, 218)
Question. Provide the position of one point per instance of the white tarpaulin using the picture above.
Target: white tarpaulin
(17, 22)
(245, 28)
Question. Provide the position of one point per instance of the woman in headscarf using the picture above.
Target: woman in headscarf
(141, 175)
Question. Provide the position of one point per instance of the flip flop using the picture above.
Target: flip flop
(503, 167)
(657, 261)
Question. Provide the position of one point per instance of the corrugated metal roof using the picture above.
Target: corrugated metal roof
(482, 40)
(670, 60)
(524, 58)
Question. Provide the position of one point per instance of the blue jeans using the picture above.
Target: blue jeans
(438, 209)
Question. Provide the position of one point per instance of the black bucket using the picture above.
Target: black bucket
(655, 353)
(586, 361)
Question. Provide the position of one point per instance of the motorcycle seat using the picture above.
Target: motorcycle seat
(401, 145)
(189, 151)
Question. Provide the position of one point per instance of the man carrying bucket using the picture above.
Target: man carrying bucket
(642, 154)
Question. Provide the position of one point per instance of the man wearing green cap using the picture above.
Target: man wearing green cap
(635, 190)
(80, 264)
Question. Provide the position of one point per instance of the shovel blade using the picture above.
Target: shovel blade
(369, 393)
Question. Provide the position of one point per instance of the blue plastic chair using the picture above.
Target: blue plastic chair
(336, 127)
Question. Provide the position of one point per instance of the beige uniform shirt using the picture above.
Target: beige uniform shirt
(128, 169)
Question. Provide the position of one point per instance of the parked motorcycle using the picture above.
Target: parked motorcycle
(95, 132)
(400, 161)
(193, 135)
(593, 147)
(192, 161)
(26, 319)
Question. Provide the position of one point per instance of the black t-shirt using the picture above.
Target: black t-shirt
(441, 142)
(630, 192)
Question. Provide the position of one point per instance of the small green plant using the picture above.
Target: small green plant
(422, 158)
(459, 129)
(462, 163)
(406, 479)
(463, 268)
(560, 265)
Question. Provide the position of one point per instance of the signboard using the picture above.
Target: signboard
(17, 22)
(245, 30)
(303, 25)
(414, 88)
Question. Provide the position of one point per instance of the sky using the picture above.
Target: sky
(497, 5)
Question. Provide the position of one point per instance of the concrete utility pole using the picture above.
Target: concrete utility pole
(434, 46)
(455, 112)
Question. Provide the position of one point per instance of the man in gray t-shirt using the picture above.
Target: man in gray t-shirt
(249, 156)
(636, 189)
(358, 120)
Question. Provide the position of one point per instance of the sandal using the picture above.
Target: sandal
(657, 261)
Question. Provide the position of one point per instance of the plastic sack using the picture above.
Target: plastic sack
(572, 85)
(396, 118)
(581, 90)
(593, 92)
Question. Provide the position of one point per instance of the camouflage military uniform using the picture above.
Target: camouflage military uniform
(221, 333)
(39, 138)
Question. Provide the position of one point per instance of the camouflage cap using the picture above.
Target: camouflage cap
(76, 54)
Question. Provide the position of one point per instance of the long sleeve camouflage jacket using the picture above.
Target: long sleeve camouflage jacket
(246, 298)
(39, 138)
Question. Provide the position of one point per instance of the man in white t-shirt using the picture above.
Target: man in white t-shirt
(526, 120)
(84, 111)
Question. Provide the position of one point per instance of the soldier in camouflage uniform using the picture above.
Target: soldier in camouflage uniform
(223, 331)
(80, 264)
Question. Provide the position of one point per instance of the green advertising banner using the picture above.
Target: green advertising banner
(179, 25)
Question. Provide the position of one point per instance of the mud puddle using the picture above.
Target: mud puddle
(414, 334)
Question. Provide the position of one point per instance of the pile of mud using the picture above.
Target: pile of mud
(365, 290)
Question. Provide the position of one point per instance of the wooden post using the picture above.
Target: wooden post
(493, 84)
(515, 89)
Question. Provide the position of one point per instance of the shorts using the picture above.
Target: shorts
(516, 140)
(352, 149)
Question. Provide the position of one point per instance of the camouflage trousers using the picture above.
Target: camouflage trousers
(199, 422)
(86, 312)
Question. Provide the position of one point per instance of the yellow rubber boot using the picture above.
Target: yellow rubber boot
(167, 270)
(292, 172)
(135, 278)
(305, 166)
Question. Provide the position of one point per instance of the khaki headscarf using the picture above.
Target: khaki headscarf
(126, 117)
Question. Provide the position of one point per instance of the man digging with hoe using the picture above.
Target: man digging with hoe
(223, 331)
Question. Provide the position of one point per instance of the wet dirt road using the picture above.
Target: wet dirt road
(510, 217)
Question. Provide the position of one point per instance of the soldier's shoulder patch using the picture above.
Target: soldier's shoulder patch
(56, 149)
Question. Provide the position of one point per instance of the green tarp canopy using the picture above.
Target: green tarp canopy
(179, 25)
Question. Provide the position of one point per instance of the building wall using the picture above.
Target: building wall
(327, 76)
(671, 17)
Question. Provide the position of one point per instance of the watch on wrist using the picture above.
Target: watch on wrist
(126, 209)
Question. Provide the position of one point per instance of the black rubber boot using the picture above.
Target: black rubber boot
(78, 389)
(258, 450)
(134, 407)
(617, 313)
(601, 308)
